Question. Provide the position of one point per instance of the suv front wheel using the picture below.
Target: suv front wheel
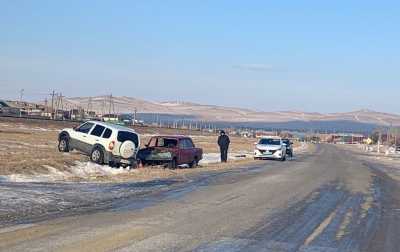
(97, 156)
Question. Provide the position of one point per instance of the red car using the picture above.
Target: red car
(171, 150)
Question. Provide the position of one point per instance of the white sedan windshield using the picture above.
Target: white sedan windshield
(270, 141)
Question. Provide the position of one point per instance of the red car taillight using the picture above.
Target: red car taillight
(111, 145)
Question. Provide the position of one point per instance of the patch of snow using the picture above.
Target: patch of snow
(83, 170)
(211, 158)
(300, 149)
(87, 169)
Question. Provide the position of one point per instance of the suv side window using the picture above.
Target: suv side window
(98, 130)
(107, 133)
(85, 128)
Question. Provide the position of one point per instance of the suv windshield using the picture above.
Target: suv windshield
(85, 128)
(128, 136)
(270, 141)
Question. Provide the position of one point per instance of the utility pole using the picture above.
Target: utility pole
(45, 106)
(57, 103)
(379, 141)
(21, 94)
(103, 106)
(89, 106)
(61, 106)
(134, 116)
(110, 104)
(52, 104)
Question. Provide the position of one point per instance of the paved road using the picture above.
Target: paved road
(326, 201)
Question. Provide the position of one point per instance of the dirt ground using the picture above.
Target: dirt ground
(30, 146)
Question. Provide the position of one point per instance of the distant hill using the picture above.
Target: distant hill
(213, 113)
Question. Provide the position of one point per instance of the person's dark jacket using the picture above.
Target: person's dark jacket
(223, 141)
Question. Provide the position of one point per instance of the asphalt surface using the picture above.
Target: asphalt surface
(329, 200)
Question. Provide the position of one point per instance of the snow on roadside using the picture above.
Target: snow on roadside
(301, 149)
(81, 170)
(210, 158)
(90, 171)
(85, 169)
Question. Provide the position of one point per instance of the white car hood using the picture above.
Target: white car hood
(268, 147)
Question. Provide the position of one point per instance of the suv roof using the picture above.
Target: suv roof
(112, 126)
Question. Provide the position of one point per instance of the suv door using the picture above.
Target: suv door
(105, 138)
(80, 138)
(95, 135)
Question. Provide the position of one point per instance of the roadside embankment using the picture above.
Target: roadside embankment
(28, 153)
(387, 161)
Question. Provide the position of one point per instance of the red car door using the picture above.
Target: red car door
(183, 158)
(190, 148)
(187, 151)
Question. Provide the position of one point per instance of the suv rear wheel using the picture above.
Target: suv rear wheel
(63, 144)
(97, 156)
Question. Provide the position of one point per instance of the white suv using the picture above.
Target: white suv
(105, 143)
(270, 148)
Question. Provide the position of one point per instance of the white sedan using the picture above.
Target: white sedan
(270, 148)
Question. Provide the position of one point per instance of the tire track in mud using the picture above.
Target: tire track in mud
(387, 229)
(329, 219)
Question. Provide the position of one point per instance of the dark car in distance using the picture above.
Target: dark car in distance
(289, 147)
(171, 151)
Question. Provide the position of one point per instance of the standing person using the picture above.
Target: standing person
(223, 142)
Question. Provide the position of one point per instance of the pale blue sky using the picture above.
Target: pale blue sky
(324, 56)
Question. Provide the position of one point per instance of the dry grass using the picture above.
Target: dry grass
(28, 146)
(27, 151)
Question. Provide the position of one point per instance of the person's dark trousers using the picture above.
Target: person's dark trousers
(224, 154)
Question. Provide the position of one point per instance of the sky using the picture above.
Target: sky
(314, 56)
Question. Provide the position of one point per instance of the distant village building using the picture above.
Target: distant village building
(9, 108)
(77, 114)
(347, 138)
(113, 118)
(91, 115)
(263, 133)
